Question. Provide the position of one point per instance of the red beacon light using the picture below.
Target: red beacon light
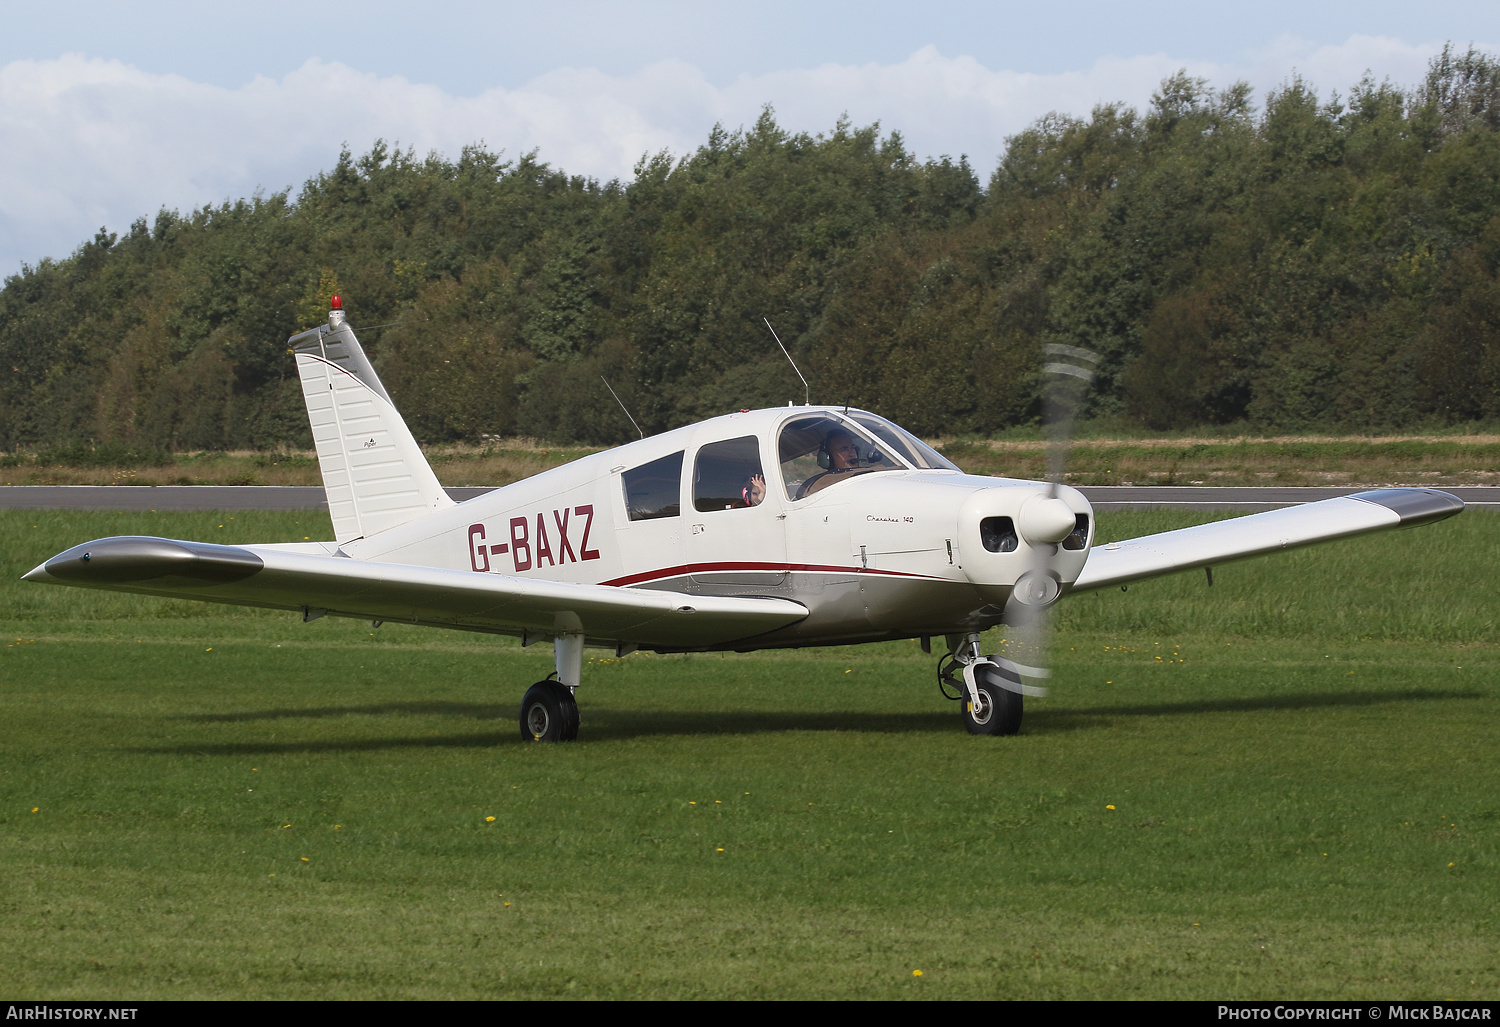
(336, 303)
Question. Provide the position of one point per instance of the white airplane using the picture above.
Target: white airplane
(778, 528)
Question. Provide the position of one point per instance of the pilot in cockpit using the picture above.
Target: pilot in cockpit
(843, 457)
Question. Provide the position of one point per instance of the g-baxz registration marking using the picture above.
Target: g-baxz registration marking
(525, 547)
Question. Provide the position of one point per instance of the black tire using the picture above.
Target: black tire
(549, 713)
(1000, 708)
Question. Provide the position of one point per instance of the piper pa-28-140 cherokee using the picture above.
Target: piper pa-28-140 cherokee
(797, 526)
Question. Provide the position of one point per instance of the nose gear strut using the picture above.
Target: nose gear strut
(990, 685)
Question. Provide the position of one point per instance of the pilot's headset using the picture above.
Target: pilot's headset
(825, 458)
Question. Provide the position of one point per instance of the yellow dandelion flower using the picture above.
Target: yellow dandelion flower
(721, 850)
(916, 973)
(1109, 807)
(489, 820)
(305, 859)
(35, 809)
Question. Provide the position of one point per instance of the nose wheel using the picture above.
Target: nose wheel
(549, 713)
(993, 710)
(989, 707)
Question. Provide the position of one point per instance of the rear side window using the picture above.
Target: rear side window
(727, 475)
(654, 490)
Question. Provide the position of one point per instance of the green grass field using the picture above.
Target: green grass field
(1284, 786)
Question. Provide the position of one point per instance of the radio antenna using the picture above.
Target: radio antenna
(806, 389)
(622, 404)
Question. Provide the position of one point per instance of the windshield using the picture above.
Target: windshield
(912, 449)
(822, 449)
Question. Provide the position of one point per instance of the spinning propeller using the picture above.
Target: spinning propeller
(1044, 522)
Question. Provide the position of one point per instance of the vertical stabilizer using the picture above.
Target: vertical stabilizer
(373, 471)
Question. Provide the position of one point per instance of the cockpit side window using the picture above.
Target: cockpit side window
(727, 475)
(654, 490)
(821, 450)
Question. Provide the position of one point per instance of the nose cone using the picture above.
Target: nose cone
(1045, 519)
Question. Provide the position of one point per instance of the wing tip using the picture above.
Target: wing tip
(1414, 505)
(127, 559)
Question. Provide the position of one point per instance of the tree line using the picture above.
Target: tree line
(1308, 264)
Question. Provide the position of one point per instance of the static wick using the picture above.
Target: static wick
(622, 404)
(806, 389)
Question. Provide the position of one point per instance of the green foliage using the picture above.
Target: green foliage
(1315, 264)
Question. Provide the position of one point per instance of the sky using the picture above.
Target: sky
(110, 111)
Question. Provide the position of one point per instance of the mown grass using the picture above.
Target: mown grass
(1418, 460)
(1434, 461)
(231, 803)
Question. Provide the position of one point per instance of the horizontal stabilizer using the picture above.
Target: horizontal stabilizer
(1119, 563)
(316, 584)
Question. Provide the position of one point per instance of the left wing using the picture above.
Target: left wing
(1119, 563)
(308, 579)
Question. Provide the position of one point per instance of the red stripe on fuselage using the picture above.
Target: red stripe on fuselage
(703, 568)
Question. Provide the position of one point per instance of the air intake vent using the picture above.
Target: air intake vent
(1080, 536)
(999, 534)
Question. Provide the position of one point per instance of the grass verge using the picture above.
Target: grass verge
(1282, 786)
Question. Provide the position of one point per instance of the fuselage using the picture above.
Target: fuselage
(894, 549)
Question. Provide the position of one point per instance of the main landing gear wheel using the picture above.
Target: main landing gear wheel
(549, 713)
(998, 711)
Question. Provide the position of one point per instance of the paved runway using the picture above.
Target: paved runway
(310, 497)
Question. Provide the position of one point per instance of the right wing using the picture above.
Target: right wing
(1119, 563)
(307, 579)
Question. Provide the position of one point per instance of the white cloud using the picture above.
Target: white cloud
(85, 142)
